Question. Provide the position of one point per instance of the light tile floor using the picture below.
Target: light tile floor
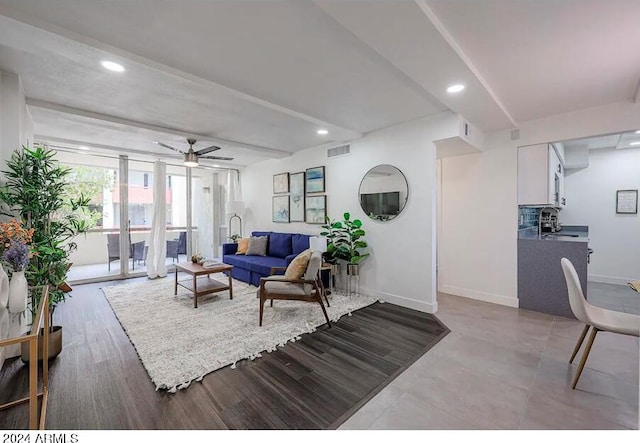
(81, 273)
(507, 368)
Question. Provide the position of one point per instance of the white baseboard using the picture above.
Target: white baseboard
(478, 295)
(418, 305)
(610, 280)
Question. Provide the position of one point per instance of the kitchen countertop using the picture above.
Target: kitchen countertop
(578, 234)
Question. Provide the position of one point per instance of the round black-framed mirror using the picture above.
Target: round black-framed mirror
(383, 192)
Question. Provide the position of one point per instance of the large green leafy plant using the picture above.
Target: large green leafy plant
(344, 240)
(37, 191)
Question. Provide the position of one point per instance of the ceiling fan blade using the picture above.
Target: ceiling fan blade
(213, 157)
(207, 150)
(170, 147)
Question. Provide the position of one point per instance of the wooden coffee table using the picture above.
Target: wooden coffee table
(204, 285)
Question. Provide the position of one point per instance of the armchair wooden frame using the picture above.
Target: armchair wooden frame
(315, 295)
(275, 269)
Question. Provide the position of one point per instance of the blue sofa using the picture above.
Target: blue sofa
(281, 249)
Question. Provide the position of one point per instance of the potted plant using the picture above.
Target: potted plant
(344, 242)
(234, 237)
(37, 192)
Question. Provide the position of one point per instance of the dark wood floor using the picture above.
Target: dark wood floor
(318, 382)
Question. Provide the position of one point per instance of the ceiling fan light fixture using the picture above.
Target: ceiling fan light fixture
(190, 159)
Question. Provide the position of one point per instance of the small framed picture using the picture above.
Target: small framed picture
(281, 183)
(627, 201)
(296, 197)
(316, 209)
(315, 180)
(280, 209)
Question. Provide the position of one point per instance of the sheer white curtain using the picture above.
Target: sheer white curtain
(234, 192)
(156, 257)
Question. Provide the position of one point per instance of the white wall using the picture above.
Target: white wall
(478, 237)
(16, 124)
(16, 129)
(591, 200)
(401, 268)
(478, 222)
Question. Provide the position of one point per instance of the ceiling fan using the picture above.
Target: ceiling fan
(191, 157)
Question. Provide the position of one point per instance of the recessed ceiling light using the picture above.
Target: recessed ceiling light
(83, 148)
(112, 66)
(634, 144)
(216, 166)
(322, 132)
(455, 88)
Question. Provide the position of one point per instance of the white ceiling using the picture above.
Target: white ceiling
(258, 78)
(612, 141)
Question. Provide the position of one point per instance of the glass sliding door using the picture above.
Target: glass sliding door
(121, 214)
(139, 213)
(176, 214)
(97, 254)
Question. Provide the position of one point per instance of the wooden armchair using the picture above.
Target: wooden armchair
(308, 288)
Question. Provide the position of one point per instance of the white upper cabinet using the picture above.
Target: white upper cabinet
(540, 176)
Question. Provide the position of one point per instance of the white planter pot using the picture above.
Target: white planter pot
(4, 288)
(18, 291)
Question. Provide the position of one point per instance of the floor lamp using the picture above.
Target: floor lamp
(235, 207)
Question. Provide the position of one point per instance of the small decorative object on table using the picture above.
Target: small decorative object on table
(197, 258)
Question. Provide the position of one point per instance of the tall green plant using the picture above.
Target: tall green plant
(344, 239)
(36, 190)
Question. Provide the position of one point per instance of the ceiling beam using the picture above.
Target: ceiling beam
(433, 18)
(41, 104)
(60, 32)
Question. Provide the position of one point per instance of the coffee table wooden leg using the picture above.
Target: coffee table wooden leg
(175, 287)
(230, 287)
(195, 292)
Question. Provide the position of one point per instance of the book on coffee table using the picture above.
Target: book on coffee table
(209, 263)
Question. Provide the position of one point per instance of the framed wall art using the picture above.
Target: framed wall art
(315, 180)
(280, 209)
(627, 201)
(281, 183)
(296, 196)
(316, 209)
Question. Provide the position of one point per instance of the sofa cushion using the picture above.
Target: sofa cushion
(299, 243)
(264, 264)
(279, 245)
(257, 246)
(255, 263)
(238, 261)
(243, 245)
(297, 267)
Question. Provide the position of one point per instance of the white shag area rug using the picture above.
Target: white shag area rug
(178, 344)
